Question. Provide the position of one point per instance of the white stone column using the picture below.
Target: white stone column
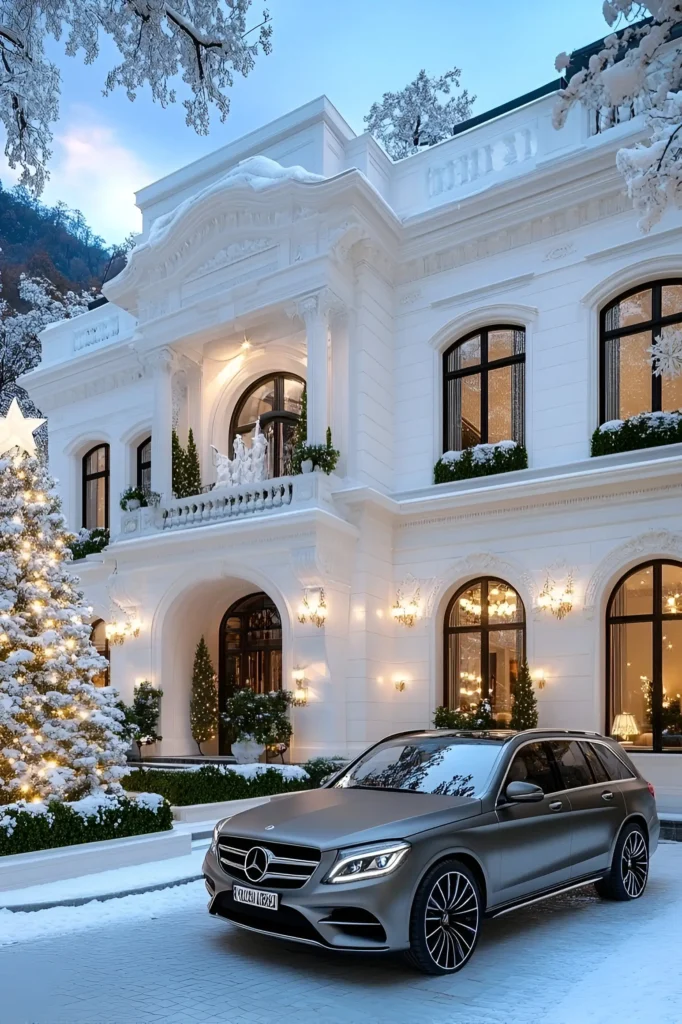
(163, 363)
(316, 312)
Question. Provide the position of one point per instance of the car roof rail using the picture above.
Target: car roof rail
(565, 732)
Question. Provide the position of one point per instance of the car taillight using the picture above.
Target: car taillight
(651, 790)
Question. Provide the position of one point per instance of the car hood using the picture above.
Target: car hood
(330, 818)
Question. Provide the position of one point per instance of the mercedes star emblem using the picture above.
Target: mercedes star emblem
(256, 863)
(268, 827)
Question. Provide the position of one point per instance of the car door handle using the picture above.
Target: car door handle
(556, 805)
(608, 795)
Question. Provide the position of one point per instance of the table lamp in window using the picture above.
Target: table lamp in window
(624, 726)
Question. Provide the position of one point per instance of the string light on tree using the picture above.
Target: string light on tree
(59, 734)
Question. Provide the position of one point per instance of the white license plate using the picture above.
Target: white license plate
(255, 897)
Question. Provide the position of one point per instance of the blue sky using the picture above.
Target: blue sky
(353, 51)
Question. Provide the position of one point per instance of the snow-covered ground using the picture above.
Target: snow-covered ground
(159, 958)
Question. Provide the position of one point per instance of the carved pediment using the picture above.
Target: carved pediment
(232, 253)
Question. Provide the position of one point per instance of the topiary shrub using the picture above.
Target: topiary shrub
(25, 828)
(481, 460)
(647, 430)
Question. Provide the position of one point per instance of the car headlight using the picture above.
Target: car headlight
(374, 861)
(216, 831)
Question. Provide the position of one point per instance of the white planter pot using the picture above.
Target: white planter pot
(307, 466)
(247, 751)
(132, 504)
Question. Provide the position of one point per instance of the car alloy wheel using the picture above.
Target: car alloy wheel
(446, 918)
(634, 864)
(629, 869)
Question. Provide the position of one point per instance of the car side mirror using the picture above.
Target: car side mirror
(523, 793)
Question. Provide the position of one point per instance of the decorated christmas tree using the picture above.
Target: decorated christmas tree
(60, 736)
(179, 467)
(525, 706)
(203, 705)
(192, 467)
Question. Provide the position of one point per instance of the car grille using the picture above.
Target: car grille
(289, 866)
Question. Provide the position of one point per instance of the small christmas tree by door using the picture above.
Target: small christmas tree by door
(60, 735)
(203, 707)
(525, 706)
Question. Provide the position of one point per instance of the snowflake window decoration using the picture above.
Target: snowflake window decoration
(666, 353)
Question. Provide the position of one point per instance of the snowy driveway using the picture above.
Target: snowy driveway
(160, 958)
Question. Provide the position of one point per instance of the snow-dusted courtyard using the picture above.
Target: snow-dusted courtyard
(159, 958)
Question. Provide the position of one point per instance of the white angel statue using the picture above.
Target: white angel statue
(248, 464)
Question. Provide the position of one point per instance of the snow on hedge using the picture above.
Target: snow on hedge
(247, 771)
(481, 452)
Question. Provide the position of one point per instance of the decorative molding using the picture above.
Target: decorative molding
(410, 297)
(534, 230)
(323, 304)
(428, 590)
(559, 252)
(91, 388)
(233, 253)
(484, 563)
(97, 334)
(636, 245)
(651, 544)
(486, 289)
(314, 567)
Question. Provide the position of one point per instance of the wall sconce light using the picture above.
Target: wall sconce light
(555, 600)
(300, 698)
(117, 632)
(406, 612)
(539, 679)
(399, 683)
(313, 607)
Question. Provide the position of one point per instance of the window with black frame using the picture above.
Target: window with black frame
(96, 488)
(485, 639)
(628, 328)
(275, 400)
(144, 465)
(98, 639)
(644, 658)
(483, 388)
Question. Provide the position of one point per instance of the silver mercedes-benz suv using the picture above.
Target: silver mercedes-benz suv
(425, 834)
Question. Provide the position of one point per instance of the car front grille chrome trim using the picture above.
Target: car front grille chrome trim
(294, 873)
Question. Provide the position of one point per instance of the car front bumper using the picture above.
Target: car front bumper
(372, 916)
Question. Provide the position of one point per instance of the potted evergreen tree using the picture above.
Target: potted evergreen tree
(525, 706)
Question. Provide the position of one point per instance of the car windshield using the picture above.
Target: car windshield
(440, 765)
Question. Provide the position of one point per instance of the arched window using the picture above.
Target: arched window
(96, 487)
(144, 465)
(628, 328)
(250, 650)
(644, 657)
(483, 388)
(98, 638)
(485, 642)
(276, 400)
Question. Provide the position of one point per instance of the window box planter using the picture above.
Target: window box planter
(481, 460)
(647, 430)
(88, 542)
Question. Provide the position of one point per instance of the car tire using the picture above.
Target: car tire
(629, 868)
(445, 921)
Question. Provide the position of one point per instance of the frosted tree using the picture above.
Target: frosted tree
(60, 735)
(203, 705)
(19, 342)
(205, 42)
(638, 71)
(421, 114)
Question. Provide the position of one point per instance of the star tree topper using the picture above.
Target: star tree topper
(16, 430)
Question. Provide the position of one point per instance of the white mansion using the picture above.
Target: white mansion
(492, 288)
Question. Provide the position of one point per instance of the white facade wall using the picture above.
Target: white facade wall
(358, 284)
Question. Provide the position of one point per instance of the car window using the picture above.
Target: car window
(533, 764)
(598, 769)
(573, 767)
(613, 764)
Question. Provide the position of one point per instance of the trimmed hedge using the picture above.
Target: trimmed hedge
(26, 831)
(647, 430)
(318, 768)
(481, 460)
(210, 784)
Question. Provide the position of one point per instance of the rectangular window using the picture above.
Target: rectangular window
(572, 764)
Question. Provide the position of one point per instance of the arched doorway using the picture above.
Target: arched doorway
(250, 650)
(485, 641)
(644, 657)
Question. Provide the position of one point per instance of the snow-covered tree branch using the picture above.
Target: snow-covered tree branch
(640, 69)
(418, 115)
(204, 41)
(19, 342)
